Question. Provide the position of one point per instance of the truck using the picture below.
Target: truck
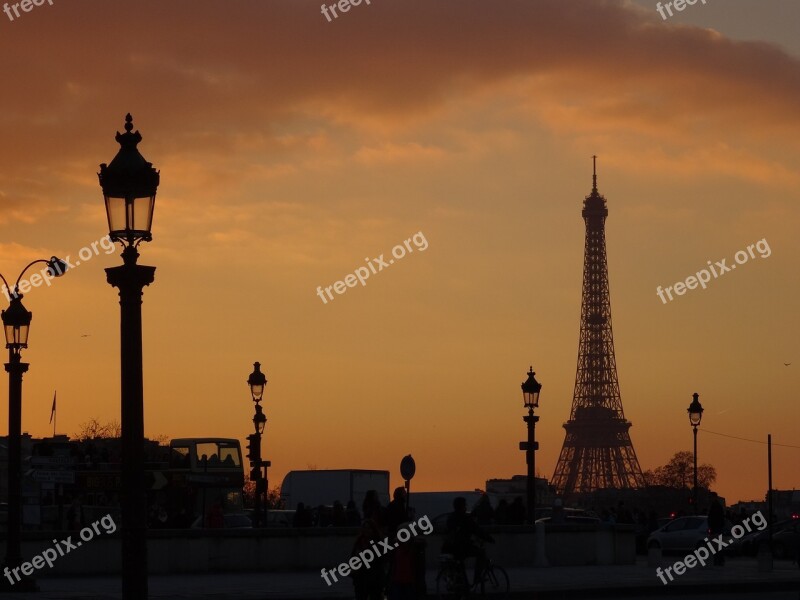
(324, 487)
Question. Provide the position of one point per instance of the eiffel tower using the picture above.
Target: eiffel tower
(597, 451)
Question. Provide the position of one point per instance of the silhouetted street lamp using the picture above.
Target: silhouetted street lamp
(259, 420)
(257, 381)
(129, 186)
(16, 326)
(695, 411)
(530, 398)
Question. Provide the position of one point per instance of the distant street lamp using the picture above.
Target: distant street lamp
(530, 399)
(695, 411)
(16, 326)
(259, 420)
(129, 186)
(257, 381)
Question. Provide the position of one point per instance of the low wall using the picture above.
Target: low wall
(181, 551)
(579, 545)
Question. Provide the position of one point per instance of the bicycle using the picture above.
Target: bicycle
(452, 581)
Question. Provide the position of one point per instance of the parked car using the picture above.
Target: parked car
(280, 518)
(230, 521)
(786, 542)
(664, 520)
(547, 511)
(683, 534)
(785, 539)
(572, 519)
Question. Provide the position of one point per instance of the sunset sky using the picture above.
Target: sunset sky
(292, 148)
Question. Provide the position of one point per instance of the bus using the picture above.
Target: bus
(73, 481)
(205, 476)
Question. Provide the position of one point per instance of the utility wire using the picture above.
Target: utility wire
(748, 440)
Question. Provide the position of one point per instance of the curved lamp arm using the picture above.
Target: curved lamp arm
(55, 267)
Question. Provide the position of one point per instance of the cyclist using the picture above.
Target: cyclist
(461, 527)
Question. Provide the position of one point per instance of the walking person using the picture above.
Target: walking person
(716, 524)
(397, 511)
(402, 568)
(369, 583)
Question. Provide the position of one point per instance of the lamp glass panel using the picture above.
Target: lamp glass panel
(17, 336)
(115, 210)
(142, 213)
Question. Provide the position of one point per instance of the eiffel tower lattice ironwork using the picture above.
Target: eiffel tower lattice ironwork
(597, 451)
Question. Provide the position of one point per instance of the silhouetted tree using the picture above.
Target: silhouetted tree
(678, 473)
(93, 429)
(274, 500)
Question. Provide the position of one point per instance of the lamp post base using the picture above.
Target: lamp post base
(26, 584)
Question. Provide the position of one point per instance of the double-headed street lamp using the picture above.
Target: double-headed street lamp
(530, 398)
(16, 325)
(695, 411)
(129, 186)
(257, 381)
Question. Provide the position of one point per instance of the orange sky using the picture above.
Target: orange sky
(291, 148)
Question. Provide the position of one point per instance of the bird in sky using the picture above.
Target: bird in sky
(86, 335)
(786, 364)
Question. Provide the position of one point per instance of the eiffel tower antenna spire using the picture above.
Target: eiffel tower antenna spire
(594, 173)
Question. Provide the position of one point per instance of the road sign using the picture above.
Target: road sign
(101, 481)
(203, 478)
(52, 460)
(54, 476)
(408, 467)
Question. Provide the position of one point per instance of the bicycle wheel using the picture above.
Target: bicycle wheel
(495, 582)
(451, 584)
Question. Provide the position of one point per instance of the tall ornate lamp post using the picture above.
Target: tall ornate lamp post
(530, 398)
(129, 186)
(257, 381)
(16, 325)
(695, 411)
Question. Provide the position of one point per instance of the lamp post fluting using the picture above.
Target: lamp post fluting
(129, 186)
(16, 326)
(695, 411)
(530, 397)
(257, 382)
